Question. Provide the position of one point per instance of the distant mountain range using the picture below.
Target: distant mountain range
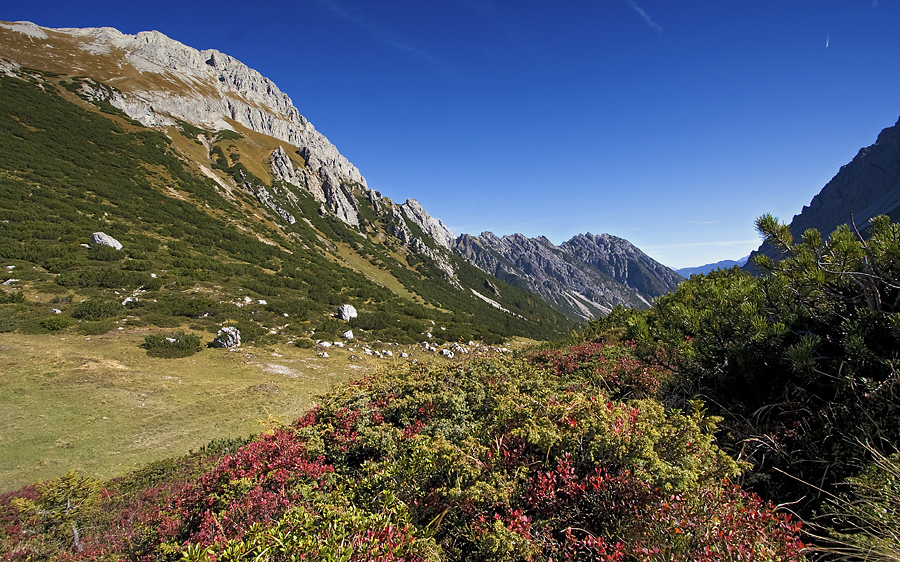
(215, 172)
(583, 277)
(704, 269)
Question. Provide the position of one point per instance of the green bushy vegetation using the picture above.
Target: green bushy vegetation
(623, 443)
(493, 459)
(800, 362)
(170, 346)
(196, 256)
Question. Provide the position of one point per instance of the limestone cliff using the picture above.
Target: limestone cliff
(157, 80)
(584, 278)
(869, 185)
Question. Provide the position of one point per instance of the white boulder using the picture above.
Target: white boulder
(227, 337)
(347, 312)
(104, 239)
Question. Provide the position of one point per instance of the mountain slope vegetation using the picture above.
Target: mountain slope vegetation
(669, 433)
(193, 251)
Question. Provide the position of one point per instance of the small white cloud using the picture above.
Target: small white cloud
(647, 17)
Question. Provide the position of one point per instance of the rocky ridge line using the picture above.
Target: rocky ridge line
(867, 186)
(584, 278)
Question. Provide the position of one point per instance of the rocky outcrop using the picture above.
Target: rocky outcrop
(227, 337)
(624, 262)
(869, 185)
(104, 239)
(431, 226)
(347, 312)
(205, 88)
(584, 278)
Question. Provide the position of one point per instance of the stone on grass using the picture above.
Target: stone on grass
(104, 239)
(347, 312)
(227, 337)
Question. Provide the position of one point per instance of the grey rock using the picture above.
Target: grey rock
(103, 239)
(263, 196)
(201, 87)
(431, 226)
(584, 278)
(227, 337)
(868, 186)
(347, 312)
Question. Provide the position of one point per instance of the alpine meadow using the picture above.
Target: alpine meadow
(218, 343)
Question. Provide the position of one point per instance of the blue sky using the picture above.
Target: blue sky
(671, 124)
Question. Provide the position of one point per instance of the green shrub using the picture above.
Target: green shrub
(186, 305)
(331, 327)
(63, 264)
(251, 332)
(56, 322)
(8, 323)
(96, 328)
(95, 309)
(227, 134)
(169, 346)
(11, 298)
(103, 252)
(304, 343)
(863, 522)
(137, 265)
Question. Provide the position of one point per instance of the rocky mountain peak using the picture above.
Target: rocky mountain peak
(431, 226)
(867, 186)
(585, 277)
(173, 81)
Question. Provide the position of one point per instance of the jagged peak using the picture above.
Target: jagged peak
(431, 226)
(212, 87)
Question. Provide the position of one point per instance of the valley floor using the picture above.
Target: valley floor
(100, 405)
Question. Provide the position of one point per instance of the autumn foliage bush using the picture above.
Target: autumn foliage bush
(490, 459)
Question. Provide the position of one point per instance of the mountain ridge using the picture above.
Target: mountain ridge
(585, 277)
(210, 97)
(865, 187)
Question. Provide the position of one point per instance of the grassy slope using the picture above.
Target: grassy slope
(98, 402)
(101, 405)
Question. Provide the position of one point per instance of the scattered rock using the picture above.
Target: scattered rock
(227, 337)
(347, 312)
(348, 335)
(104, 239)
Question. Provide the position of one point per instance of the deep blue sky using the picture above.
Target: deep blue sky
(671, 124)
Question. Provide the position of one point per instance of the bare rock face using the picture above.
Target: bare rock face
(584, 278)
(431, 226)
(868, 186)
(624, 262)
(347, 312)
(227, 337)
(201, 87)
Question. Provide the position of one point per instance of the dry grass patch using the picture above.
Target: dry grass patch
(99, 404)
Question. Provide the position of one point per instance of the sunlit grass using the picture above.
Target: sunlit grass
(101, 405)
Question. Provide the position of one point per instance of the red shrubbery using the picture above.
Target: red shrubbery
(488, 460)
